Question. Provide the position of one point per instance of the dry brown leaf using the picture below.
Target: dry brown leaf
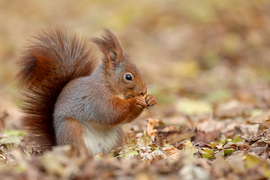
(259, 151)
(220, 167)
(237, 164)
(182, 137)
(172, 153)
(264, 125)
(151, 125)
(99, 155)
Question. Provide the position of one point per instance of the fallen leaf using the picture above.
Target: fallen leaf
(172, 153)
(251, 160)
(228, 151)
(264, 125)
(208, 153)
(182, 137)
(11, 140)
(187, 146)
(191, 171)
(237, 164)
(144, 140)
(220, 167)
(151, 125)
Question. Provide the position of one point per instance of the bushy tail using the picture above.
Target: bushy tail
(52, 59)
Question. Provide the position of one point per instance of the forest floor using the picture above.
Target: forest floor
(208, 67)
(221, 136)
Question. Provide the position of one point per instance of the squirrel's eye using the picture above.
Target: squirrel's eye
(128, 77)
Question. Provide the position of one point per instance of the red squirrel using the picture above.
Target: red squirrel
(69, 99)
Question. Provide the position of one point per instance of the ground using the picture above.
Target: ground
(206, 62)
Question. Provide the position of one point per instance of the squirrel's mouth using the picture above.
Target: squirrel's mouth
(131, 96)
(126, 96)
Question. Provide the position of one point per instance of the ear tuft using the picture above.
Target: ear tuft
(113, 56)
(109, 46)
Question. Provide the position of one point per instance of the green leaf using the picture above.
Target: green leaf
(237, 139)
(208, 153)
(222, 141)
(228, 151)
(14, 132)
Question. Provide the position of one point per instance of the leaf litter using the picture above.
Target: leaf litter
(211, 80)
(181, 156)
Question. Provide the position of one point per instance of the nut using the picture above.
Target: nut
(143, 96)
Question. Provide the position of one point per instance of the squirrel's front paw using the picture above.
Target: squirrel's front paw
(150, 100)
(141, 102)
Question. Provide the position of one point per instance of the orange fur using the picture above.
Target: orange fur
(69, 100)
(55, 58)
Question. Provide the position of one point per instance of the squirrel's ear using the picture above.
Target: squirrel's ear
(109, 46)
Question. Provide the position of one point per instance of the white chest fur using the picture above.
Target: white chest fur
(102, 139)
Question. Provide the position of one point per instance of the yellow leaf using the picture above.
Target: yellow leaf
(144, 140)
(187, 146)
(251, 160)
(214, 144)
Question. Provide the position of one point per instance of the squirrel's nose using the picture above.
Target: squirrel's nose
(144, 91)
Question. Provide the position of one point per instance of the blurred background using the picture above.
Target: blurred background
(202, 51)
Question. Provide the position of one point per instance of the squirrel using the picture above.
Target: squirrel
(70, 98)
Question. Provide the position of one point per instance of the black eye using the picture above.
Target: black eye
(128, 77)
